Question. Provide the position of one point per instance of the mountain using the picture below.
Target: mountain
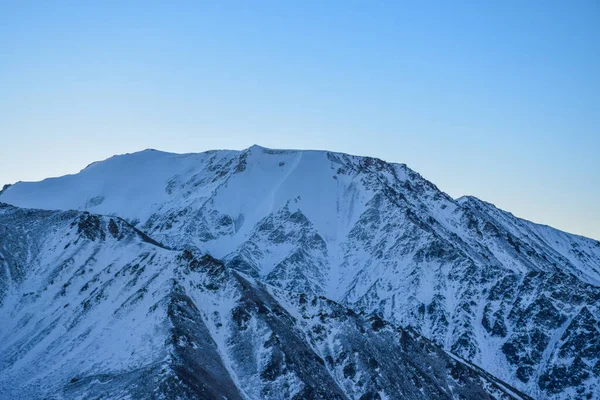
(94, 308)
(517, 299)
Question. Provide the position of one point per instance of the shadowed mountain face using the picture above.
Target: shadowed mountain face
(293, 228)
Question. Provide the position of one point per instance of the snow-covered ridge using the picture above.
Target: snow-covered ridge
(504, 293)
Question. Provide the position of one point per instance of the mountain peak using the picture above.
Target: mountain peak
(257, 147)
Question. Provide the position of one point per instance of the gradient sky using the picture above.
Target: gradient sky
(500, 100)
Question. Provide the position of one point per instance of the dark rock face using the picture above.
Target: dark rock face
(198, 371)
(89, 226)
(290, 354)
(578, 351)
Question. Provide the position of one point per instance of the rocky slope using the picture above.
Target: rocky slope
(517, 299)
(93, 308)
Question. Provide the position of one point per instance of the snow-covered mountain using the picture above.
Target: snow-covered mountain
(93, 308)
(520, 300)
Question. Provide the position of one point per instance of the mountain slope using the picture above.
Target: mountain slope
(103, 311)
(506, 294)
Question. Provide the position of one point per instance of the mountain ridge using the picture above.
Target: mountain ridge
(257, 146)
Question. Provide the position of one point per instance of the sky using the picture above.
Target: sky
(500, 100)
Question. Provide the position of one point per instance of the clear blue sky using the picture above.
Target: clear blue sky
(500, 99)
